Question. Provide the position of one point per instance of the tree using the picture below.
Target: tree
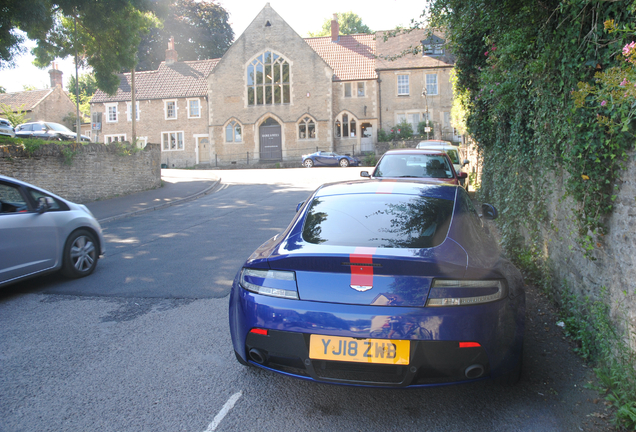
(107, 38)
(87, 88)
(349, 23)
(15, 117)
(200, 29)
(29, 87)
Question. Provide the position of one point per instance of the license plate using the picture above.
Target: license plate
(382, 351)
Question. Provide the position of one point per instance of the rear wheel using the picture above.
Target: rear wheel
(344, 163)
(80, 254)
(308, 163)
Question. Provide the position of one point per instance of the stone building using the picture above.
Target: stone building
(52, 104)
(274, 96)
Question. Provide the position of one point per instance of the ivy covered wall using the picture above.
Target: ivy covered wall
(547, 89)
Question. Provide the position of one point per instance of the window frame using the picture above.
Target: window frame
(129, 111)
(303, 122)
(188, 102)
(401, 85)
(235, 123)
(428, 93)
(277, 90)
(118, 136)
(165, 109)
(340, 126)
(107, 107)
(163, 143)
(364, 89)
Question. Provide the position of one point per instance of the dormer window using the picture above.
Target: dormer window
(433, 50)
(433, 46)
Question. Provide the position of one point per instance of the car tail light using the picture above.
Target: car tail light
(462, 344)
(446, 292)
(273, 283)
(265, 332)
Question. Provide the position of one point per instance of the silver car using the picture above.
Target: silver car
(41, 233)
(6, 128)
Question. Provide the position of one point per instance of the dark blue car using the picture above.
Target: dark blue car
(322, 158)
(382, 283)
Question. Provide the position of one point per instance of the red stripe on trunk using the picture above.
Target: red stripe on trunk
(362, 274)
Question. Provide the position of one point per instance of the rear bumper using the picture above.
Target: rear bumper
(435, 333)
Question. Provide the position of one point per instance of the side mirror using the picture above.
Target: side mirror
(462, 175)
(44, 204)
(489, 211)
(365, 174)
(300, 204)
(466, 162)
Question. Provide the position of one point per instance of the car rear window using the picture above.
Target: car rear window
(378, 220)
(413, 165)
(454, 157)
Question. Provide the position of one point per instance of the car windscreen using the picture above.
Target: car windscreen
(59, 128)
(378, 220)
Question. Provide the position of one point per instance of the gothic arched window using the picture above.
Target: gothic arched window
(268, 80)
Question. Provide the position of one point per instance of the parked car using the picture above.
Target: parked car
(380, 282)
(43, 233)
(6, 128)
(322, 158)
(430, 165)
(48, 131)
(451, 150)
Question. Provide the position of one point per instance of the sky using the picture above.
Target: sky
(302, 16)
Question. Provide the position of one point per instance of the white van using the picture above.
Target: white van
(448, 148)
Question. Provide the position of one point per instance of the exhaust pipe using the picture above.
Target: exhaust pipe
(258, 356)
(474, 371)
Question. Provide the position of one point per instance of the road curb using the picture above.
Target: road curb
(206, 191)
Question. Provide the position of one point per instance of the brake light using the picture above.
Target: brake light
(469, 345)
(259, 331)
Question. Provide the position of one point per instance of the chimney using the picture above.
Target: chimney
(171, 54)
(335, 28)
(56, 76)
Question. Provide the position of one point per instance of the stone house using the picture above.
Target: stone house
(172, 110)
(274, 96)
(414, 86)
(52, 104)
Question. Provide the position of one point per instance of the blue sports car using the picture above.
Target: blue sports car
(322, 158)
(392, 283)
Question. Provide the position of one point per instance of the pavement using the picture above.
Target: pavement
(176, 187)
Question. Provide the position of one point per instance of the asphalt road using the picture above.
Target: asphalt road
(143, 343)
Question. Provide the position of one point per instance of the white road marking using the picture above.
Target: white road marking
(226, 409)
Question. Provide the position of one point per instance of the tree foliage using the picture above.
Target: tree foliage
(87, 88)
(108, 33)
(200, 30)
(518, 64)
(349, 23)
(15, 117)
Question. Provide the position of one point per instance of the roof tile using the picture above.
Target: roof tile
(180, 79)
(26, 100)
(352, 57)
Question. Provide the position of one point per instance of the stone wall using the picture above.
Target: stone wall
(613, 263)
(87, 172)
